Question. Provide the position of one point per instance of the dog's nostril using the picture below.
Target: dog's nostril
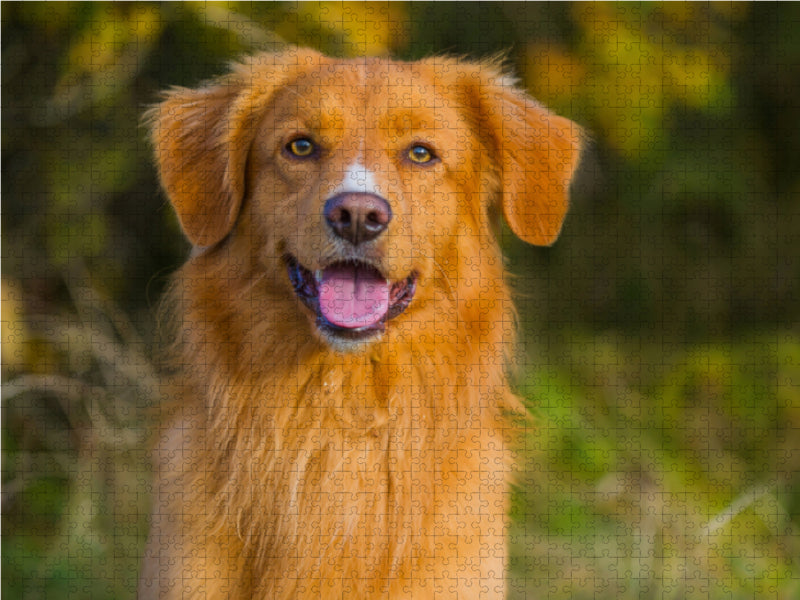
(357, 217)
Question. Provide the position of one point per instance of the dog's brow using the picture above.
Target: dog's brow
(403, 121)
(326, 121)
(330, 118)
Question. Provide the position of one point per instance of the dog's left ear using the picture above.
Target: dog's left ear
(538, 153)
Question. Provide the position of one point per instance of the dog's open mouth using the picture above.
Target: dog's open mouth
(351, 299)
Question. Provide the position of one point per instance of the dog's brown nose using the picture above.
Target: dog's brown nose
(357, 217)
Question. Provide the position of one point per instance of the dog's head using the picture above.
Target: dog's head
(361, 180)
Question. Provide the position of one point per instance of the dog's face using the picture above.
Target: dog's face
(361, 182)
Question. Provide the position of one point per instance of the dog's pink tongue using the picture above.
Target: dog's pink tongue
(353, 297)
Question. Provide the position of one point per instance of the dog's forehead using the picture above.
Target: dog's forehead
(369, 87)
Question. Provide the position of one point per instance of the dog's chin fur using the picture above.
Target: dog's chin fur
(339, 342)
(295, 460)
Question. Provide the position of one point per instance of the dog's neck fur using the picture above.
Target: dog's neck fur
(400, 407)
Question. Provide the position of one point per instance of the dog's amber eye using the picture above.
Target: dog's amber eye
(420, 154)
(301, 147)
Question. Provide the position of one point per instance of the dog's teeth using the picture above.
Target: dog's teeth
(318, 275)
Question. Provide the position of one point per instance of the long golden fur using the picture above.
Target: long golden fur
(306, 458)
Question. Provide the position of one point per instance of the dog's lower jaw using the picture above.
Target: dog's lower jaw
(344, 341)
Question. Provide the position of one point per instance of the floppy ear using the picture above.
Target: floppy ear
(538, 153)
(200, 166)
(202, 138)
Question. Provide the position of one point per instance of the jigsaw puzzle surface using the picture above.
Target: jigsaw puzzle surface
(511, 314)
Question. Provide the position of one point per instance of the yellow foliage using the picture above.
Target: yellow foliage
(555, 73)
(252, 34)
(13, 334)
(631, 64)
(106, 55)
(352, 28)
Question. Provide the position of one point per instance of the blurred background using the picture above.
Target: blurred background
(660, 346)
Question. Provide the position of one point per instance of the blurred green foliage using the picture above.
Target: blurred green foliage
(663, 473)
(662, 352)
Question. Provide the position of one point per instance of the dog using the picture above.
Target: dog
(340, 423)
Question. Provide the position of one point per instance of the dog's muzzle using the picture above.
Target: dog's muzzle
(352, 299)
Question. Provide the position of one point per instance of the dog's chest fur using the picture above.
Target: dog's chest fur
(345, 465)
(340, 464)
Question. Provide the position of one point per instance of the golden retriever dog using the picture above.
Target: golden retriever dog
(341, 421)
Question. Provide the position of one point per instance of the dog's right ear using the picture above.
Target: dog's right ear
(202, 137)
(197, 160)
